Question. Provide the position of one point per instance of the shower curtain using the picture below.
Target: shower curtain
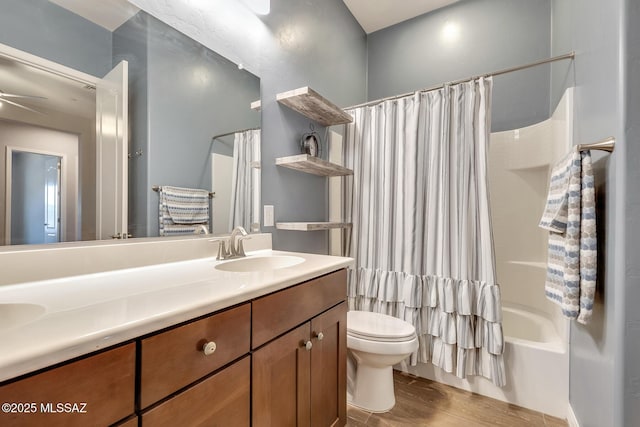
(246, 158)
(421, 235)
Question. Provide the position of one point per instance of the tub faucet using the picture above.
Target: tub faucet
(236, 249)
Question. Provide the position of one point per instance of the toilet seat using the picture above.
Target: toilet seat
(378, 327)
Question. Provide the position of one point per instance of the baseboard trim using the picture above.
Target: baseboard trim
(571, 417)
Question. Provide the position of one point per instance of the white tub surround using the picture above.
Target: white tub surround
(79, 314)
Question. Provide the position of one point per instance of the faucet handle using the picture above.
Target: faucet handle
(222, 249)
(241, 245)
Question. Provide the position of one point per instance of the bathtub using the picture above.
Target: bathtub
(536, 364)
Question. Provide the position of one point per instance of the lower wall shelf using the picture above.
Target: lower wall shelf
(311, 226)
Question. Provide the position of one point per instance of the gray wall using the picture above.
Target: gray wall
(130, 44)
(300, 43)
(604, 364)
(182, 94)
(631, 268)
(193, 95)
(494, 34)
(47, 30)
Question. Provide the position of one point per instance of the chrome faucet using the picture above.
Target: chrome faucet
(236, 248)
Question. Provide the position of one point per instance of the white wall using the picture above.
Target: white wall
(85, 129)
(34, 138)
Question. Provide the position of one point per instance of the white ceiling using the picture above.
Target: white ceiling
(109, 14)
(60, 94)
(374, 15)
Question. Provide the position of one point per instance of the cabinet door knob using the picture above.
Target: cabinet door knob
(308, 345)
(209, 348)
(320, 336)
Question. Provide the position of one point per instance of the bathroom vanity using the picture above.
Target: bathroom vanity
(184, 343)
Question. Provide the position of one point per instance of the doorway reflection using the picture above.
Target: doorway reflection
(35, 198)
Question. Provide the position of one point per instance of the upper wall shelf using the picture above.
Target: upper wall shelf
(313, 165)
(311, 104)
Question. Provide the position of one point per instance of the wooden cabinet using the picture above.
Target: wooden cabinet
(328, 368)
(220, 400)
(281, 381)
(279, 360)
(130, 422)
(299, 378)
(94, 391)
(279, 312)
(175, 358)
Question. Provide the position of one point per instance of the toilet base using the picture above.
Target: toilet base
(372, 389)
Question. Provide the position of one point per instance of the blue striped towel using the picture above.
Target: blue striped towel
(570, 218)
(182, 210)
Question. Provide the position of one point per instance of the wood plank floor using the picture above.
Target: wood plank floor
(421, 402)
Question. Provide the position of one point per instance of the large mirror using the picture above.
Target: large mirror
(72, 84)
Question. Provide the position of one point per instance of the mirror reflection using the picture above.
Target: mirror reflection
(171, 113)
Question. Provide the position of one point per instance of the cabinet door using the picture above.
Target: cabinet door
(94, 391)
(221, 400)
(281, 393)
(329, 368)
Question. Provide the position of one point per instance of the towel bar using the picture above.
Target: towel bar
(607, 144)
(156, 188)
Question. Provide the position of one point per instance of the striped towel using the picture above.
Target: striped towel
(570, 217)
(182, 210)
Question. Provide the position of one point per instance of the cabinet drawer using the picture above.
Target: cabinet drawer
(281, 311)
(174, 359)
(102, 386)
(221, 400)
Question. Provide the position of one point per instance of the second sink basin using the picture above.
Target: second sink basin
(12, 315)
(259, 263)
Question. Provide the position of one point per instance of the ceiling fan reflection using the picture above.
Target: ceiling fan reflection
(5, 98)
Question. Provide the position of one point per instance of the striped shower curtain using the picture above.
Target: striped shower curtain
(421, 235)
(245, 180)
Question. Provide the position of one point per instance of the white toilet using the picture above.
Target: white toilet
(375, 342)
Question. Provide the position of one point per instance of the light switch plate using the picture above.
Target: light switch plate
(268, 216)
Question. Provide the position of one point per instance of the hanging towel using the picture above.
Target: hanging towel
(570, 218)
(182, 210)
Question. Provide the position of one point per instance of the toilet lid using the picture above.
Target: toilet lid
(378, 326)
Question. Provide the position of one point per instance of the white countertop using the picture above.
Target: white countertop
(86, 313)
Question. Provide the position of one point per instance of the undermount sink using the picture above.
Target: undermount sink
(259, 263)
(12, 315)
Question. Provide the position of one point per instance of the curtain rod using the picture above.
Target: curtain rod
(231, 133)
(570, 55)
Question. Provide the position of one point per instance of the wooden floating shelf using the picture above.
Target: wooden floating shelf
(311, 226)
(311, 104)
(313, 165)
(256, 105)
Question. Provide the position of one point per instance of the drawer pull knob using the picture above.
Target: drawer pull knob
(209, 348)
(308, 345)
(320, 336)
